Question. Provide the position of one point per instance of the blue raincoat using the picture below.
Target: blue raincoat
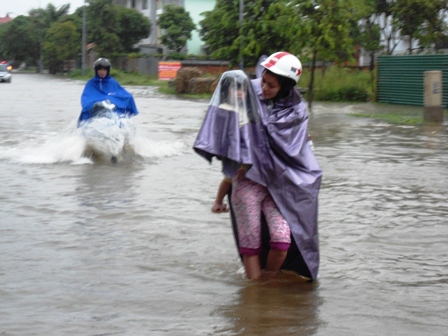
(100, 89)
(274, 144)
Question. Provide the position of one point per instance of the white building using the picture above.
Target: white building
(153, 8)
(397, 43)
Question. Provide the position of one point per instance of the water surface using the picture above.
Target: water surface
(94, 248)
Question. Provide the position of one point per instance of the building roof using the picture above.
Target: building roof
(5, 19)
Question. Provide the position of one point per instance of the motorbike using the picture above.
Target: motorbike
(107, 134)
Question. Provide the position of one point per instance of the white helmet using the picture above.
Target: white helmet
(284, 64)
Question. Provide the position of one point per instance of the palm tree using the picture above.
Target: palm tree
(43, 18)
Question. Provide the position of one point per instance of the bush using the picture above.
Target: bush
(77, 73)
(348, 93)
(339, 84)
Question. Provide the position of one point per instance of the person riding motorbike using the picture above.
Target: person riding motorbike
(104, 88)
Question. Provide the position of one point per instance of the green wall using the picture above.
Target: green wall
(401, 78)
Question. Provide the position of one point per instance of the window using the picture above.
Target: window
(145, 4)
(133, 4)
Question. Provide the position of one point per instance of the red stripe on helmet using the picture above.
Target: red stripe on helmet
(276, 58)
(281, 54)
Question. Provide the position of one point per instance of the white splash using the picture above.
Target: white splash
(99, 140)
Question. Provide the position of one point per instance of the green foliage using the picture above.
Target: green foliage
(392, 118)
(326, 29)
(177, 25)
(43, 18)
(220, 30)
(129, 28)
(123, 77)
(268, 26)
(60, 44)
(335, 84)
(111, 28)
(133, 26)
(340, 84)
(344, 94)
(20, 40)
(77, 74)
(134, 55)
(314, 32)
(180, 56)
(177, 56)
(422, 20)
(103, 27)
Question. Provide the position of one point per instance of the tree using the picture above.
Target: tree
(42, 19)
(419, 19)
(434, 33)
(308, 28)
(61, 44)
(76, 20)
(17, 42)
(102, 21)
(383, 17)
(177, 25)
(325, 30)
(367, 32)
(133, 27)
(268, 26)
(220, 28)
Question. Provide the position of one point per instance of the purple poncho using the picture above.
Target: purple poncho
(274, 143)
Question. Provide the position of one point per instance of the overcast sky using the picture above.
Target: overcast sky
(22, 7)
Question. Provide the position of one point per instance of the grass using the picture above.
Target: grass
(398, 119)
(337, 84)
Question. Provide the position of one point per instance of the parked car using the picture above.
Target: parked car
(5, 74)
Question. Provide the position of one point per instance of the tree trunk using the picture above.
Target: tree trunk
(311, 84)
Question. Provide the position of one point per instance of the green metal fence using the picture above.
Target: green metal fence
(401, 78)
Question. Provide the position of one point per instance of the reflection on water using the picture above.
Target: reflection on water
(280, 307)
(105, 187)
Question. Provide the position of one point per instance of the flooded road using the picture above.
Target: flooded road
(95, 248)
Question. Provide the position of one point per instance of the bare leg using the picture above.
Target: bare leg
(252, 266)
(275, 260)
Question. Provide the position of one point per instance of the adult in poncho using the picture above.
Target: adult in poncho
(104, 88)
(282, 160)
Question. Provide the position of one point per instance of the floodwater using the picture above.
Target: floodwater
(94, 248)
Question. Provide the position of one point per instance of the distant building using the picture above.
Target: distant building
(195, 45)
(5, 19)
(153, 8)
(398, 44)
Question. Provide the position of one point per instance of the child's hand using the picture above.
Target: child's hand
(218, 208)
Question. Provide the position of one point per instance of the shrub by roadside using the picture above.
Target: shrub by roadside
(335, 84)
(332, 85)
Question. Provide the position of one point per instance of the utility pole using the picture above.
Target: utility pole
(41, 58)
(84, 39)
(241, 34)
